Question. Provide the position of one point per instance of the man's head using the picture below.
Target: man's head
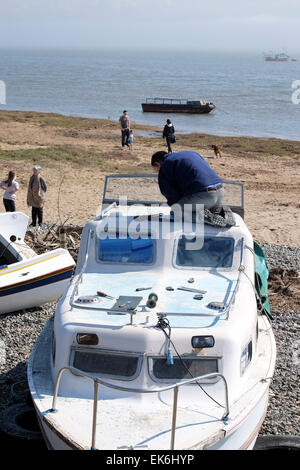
(124, 112)
(157, 159)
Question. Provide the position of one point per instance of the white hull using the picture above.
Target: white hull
(70, 427)
(34, 298)
(117, 370)
(243, 438)
(27, 279)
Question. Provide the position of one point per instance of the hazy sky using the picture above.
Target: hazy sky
(241, 25)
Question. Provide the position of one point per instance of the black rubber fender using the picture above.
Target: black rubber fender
(20, 421)
(277, 443)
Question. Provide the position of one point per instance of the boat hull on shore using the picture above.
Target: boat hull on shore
(69, 428)
(178, 356)
(26, 279)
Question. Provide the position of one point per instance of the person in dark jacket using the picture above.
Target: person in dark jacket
(186, 178)
(169, 134)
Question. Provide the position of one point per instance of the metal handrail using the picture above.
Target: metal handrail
(82, 269)
(98, 382)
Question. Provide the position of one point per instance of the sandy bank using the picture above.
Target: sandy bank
(77, 153)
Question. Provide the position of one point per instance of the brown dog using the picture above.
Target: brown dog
(217, 150)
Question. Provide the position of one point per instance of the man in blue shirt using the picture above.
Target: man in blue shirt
(186, 178)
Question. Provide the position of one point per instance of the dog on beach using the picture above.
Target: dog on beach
(217, 150)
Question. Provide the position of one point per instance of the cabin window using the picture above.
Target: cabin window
(6, 255)
(182, 369)
(216, 252)
(126, 250)
(246, 357)
(123, 366)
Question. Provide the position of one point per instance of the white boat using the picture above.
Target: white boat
(26, 278)
(180, 356)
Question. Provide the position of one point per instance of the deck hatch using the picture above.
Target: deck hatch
(182, 369)
(124, 366)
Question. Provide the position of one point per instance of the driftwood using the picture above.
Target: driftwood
(42, 242)
(281, 280)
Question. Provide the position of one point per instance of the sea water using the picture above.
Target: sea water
(252, 97)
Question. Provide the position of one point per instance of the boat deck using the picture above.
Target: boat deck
(218, 288)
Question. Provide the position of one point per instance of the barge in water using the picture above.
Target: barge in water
(172, 105)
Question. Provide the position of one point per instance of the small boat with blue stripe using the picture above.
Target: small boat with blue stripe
(163, 339)
(26, 278)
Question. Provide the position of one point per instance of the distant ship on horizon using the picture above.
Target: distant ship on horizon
(279, 57)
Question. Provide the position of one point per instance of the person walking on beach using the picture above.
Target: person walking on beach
(36, 195)
(186, 178)
(169, 134)
(10, 187)
(125, 126)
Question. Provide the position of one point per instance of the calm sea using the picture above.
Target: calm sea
(253, 97)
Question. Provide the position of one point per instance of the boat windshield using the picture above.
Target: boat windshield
(126, 250)
(216, 252)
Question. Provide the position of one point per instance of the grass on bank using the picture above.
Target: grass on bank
(113, 161)
(242, 146)
(73, 126)
(62, 121)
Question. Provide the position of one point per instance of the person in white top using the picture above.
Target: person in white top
(10, 187)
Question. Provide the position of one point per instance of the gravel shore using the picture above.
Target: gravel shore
(18, 333)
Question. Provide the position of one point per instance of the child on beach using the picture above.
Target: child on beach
(10, 187)
(130, 139)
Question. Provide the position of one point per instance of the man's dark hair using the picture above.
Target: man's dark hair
(158, 157)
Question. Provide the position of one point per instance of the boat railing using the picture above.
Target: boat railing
(97, 381)
(78, 280)
(166, 100)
